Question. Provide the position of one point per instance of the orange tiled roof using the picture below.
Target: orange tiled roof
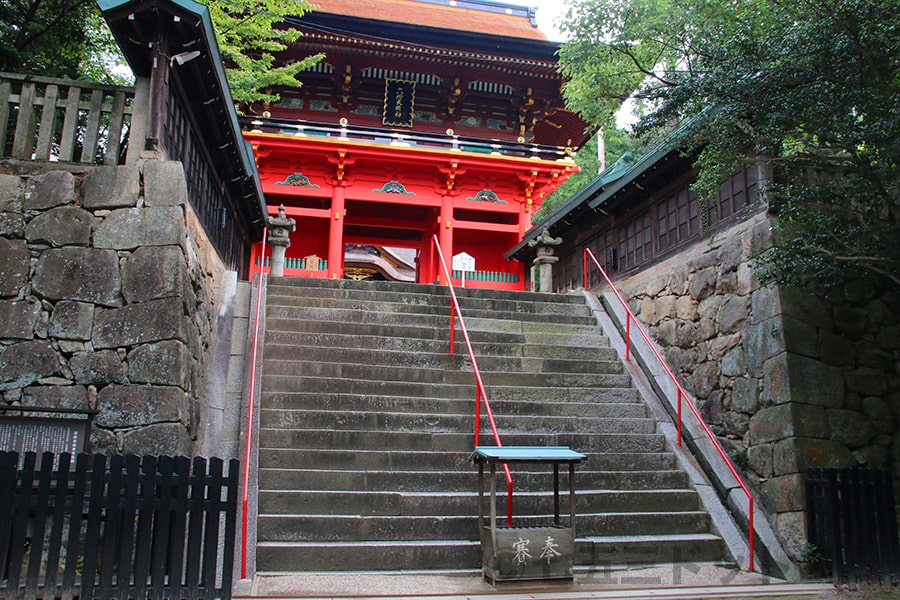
(439, 16)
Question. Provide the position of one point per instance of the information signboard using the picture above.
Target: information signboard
(43, 434)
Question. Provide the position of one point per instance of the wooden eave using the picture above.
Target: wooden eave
(137, 26)
(451, 36)
(329, 43)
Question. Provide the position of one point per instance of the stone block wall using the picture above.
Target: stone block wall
(108, 301)
(786, 379)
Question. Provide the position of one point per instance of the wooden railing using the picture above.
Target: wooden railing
(380, 135)
(490, 276)
(65, 121)
(305, 263)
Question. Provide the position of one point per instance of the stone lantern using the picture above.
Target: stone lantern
(545, 259)
(280, 229)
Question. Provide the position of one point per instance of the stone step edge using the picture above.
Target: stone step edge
(471, 494)
(620, 539)
(543, 517)
(439, 354)
(473, 473)
(477, 572)
(416, 399)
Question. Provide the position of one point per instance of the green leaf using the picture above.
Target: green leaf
(808, 90)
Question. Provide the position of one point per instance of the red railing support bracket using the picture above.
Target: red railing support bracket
(629, 316)
(245, 494)
(480, 391)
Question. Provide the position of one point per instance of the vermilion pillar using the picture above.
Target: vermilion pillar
(524, 219)
(336, 233)
(445, 233)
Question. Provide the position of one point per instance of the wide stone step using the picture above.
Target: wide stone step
(364, 439)
(617, 478)
(578, 340)
(448, 406)
(331, 385)
(367, 556)
(480, 331)
(674, 549)
(359, 440)
(295, 422)
(385, 310)
(283, 376)
(463, 554)
(511, 393)
(332, 528)
(302, 327)
(425, 389)
(301, 354)
(509, 345)
(427, 299)
(337, 457)
(435, 360)
(273, 502)
(434, 293)
(555, 351)
(496, 393)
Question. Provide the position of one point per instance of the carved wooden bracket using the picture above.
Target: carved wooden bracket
(450, 172)
(341, 161)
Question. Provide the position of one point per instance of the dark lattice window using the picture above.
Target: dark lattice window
(737, 192)
(208, 196)
(636, 242)
(678, 218)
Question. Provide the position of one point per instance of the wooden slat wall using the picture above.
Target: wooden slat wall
(852, 526)
(117, 527)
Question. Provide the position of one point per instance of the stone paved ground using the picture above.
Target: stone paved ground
(699, 581)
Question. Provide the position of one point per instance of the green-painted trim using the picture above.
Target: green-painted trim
(488, 276)
(393, 187)
(487, 196)
(297, 179)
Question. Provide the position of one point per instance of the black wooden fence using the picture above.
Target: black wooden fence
(122, 527)
(852, 525)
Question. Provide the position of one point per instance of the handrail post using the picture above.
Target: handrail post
(477, 415)
(750, 541)
(628, 338)
(584, 270)
(679, 415)
(452, 327)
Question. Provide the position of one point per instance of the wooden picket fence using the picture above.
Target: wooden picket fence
(852, 526)
(61, 120)
(117, 527)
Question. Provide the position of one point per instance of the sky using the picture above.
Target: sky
(547, 13)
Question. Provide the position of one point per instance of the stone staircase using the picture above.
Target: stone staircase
(366, 426)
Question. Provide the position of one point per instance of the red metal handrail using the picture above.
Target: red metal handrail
(249, 436)
(681, 393)
(481, 392)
